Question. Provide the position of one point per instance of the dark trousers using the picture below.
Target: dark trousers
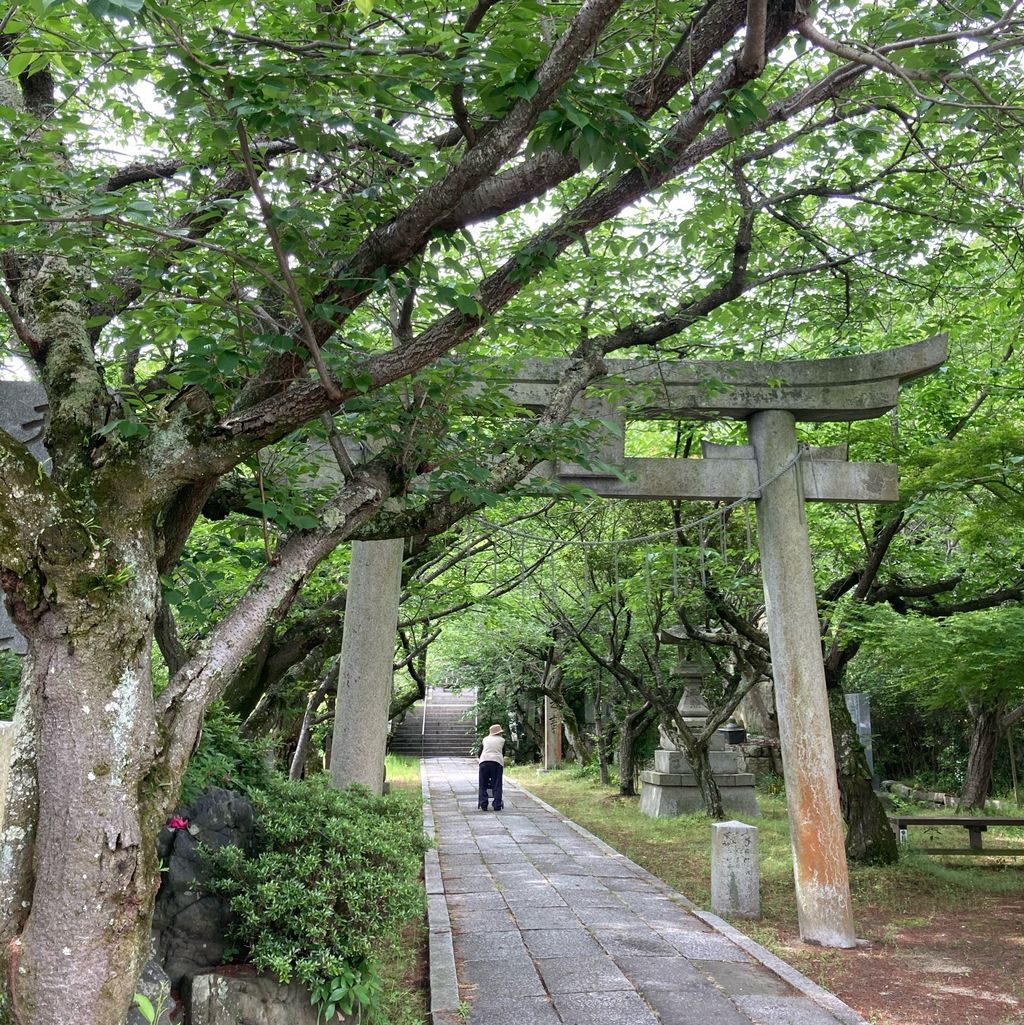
(490, 779)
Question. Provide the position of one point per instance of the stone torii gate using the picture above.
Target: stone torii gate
(782, 474)
(771, 398)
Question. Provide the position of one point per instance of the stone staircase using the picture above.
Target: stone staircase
(450, 731)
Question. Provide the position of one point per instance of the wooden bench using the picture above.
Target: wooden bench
(974, 824)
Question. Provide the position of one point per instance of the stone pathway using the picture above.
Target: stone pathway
(534, 921)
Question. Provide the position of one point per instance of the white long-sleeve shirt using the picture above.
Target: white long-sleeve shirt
(493, 746)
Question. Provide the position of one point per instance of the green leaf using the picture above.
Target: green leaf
(468, 305)
(227, 361)
(125, 9)
(17, 63)
(575, 115)
(525, 90)
(145, 1006)
(131, 429)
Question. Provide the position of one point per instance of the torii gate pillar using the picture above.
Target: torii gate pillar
(805, 734)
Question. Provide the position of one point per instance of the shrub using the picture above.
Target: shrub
(225, 758)
(336, 878)
(10, 676)
(772, 784)
(590, 771)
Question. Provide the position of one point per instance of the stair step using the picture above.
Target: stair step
(444, 726)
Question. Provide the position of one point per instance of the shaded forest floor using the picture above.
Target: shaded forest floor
(945, 938)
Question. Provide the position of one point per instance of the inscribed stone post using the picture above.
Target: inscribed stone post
(735, 876)
(367, 660)
(859, 707)
(552, 734)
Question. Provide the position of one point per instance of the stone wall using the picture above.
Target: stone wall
(238, 996)
(921, 796)
(938, 798)
(6, 746)
(761, 757)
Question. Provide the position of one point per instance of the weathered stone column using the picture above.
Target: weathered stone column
(367, 658)
(812, 790)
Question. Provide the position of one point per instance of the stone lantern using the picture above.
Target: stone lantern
(671, 788)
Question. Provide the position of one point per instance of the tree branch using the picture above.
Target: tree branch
(203, 677)
(267, 213)
(752, 59)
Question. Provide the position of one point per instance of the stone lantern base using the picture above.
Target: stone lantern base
(666, 794)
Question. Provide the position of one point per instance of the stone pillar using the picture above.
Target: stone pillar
(859, 707)
(6, 750)
(735, 878)
(367, 659)
(812, 790)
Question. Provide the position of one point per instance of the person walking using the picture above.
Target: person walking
(492, 764)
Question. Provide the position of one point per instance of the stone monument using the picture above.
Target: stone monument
(367, 660)
(552, 734)
(735, 875)
(859, 706)
(671, 788)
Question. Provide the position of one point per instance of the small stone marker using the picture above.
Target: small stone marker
(6, 749)
(735, 878)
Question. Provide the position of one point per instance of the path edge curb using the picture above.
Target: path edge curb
(442, 979)
(822, 997)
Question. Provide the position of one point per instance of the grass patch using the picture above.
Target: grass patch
(403, 967)
(402, 769)
(403, 973)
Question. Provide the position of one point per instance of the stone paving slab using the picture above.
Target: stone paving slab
(534, 921)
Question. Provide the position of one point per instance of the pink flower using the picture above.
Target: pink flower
(177, 822)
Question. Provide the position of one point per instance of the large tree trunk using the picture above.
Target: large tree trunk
(870, 839)
(700, 764)
(624, 761)
(984, 740)
(94, 871)
(629, 733)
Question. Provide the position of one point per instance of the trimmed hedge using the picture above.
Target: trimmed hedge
(336, 879)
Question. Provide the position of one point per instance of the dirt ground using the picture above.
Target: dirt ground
(961, 965)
